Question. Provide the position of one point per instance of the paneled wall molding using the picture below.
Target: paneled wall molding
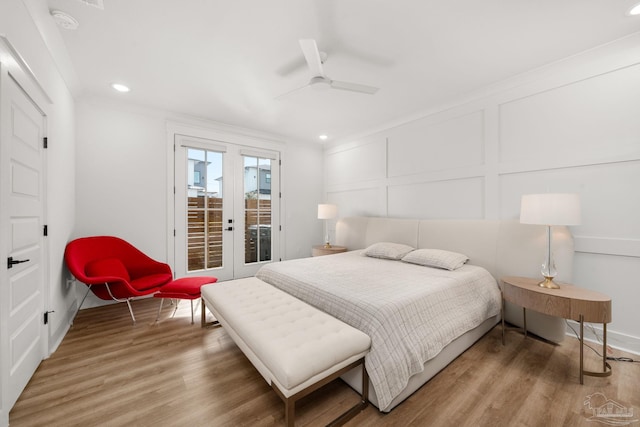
(333, 148)
(554, 163)
(607, 246)
(356, 186)
(438, 176)
(558, 82)
(569, 127)
(618, 54)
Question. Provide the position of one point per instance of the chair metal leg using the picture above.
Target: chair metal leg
(131, 310)
(122, 300)
(191, 311)
(176, 307)
(159, 309)
(80, 306)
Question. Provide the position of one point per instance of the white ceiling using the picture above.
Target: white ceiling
(226, 60)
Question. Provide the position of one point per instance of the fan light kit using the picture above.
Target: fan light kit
(635, 10)
(323, 137)
(319, 79)
(64, 20)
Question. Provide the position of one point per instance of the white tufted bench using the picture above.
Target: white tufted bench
(295, 347)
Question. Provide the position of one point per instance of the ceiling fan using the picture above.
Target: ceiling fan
(319, 79)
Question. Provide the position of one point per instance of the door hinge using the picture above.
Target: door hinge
(46, 316)
(280, 228)
(174, 232)
(279, 162)
(280, 194)
(45, 231)
(45, 142)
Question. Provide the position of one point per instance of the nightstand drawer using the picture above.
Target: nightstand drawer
(538, 301)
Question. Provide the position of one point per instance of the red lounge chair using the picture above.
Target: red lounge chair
(114, 269)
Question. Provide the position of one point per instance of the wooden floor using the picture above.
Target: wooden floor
(109, 372)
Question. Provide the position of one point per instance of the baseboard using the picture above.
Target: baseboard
(616, 340)
(56, 338)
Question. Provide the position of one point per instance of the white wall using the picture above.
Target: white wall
(570, 127)
(18, 27)
(124, 167)
(121, 168)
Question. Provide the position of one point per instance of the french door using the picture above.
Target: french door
(226, 208)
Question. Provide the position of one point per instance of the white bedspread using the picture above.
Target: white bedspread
(410, 312)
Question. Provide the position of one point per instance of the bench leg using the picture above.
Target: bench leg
(290, 402)
(355, 410)
(289, 412)
(203, 316)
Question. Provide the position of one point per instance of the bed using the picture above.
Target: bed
(420, 318)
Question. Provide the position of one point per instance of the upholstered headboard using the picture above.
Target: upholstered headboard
(504, 248)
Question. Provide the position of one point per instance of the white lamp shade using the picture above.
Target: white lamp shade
(327, 211)
(550, 209)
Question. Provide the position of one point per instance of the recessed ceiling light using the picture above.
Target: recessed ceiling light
(635, 10)
(120, 87)
(323, 137)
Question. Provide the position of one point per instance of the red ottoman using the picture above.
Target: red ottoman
(185, 288)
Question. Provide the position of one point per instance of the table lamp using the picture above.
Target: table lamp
(550, 209)
(326, 212)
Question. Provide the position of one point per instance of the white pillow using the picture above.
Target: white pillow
(387, 250)
(436, 258)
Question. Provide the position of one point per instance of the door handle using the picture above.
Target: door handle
(11, 262)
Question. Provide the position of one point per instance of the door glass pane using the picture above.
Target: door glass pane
(257, 209)
(204, 209)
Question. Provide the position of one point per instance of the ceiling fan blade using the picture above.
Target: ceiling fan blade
(291, 67)
(353, 87)
(312, 55)
(284, 95)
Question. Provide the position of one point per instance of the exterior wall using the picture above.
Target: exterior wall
(569, 127)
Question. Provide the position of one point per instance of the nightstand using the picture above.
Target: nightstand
(568, 302)
(321, 250)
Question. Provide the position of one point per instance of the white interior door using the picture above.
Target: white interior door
(23, 334)
(226, 217)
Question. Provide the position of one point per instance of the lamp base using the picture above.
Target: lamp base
(548, 283)
(327, 245)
